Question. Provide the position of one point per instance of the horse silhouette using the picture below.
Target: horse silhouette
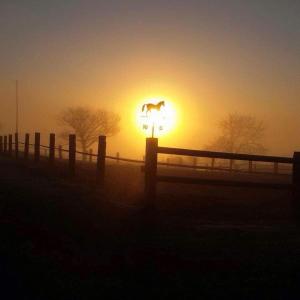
(149, 106)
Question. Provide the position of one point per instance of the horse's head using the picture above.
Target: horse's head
(161, 103)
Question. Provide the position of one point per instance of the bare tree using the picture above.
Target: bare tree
(88, 124)
(240, 133)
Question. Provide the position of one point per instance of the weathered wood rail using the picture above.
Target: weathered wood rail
(152, 178)
(223, 155)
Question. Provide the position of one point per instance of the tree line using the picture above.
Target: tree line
(238, 133)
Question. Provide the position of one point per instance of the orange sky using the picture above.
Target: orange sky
(209, 59)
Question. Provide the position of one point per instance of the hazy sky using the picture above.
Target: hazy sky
(209, 57)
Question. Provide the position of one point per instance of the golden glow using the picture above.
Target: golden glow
(159, 122)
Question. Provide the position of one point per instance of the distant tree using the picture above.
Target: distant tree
(88, 124)
(240, 133)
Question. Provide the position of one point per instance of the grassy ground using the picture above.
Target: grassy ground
(69, 238)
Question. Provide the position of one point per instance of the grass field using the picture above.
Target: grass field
(69, 238)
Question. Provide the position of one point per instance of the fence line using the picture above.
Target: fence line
(150, 164)
(168, 164)
(89, 154)
(125, 159)
(152, 178)
(230, 183)
(176, 151)
(165, 150)
(224, 155)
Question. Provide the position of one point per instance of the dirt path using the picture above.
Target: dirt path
(62, 239)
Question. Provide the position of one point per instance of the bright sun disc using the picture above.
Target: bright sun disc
(155, 118)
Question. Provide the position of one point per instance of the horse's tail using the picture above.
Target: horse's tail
(143, 107)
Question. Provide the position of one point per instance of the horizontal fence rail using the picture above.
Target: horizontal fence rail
(152, 178)
(230, 183)
(86, 153)
(224, 155)
(221, 169)
(125, 159)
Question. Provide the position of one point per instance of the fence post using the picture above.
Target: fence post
(276, 168)
(90, 155)
(37, 142)
(213, 163)
(51, 148)
(83, 156)
(250, 166)
(5, 144)
(231, 165)
(150, 171)
(16, 145)
(72, 153)
(26, 146)
(118, 157)
(1, 144)
(60, 156)
(296, 187)
(101, 158)
(180, 160)
(9, 144)
(195, 161)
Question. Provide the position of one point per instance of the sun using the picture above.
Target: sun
(156, 117)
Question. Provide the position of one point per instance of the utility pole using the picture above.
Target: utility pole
(17, 108)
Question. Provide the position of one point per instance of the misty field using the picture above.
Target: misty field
(70, 238)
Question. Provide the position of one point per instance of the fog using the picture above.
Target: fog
(208, 59)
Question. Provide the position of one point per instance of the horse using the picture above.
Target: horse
(149, 106)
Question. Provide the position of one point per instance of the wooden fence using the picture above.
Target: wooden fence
(50, 151)
(150, 163)
(6, 147)
(10, 147)
(152, 178)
